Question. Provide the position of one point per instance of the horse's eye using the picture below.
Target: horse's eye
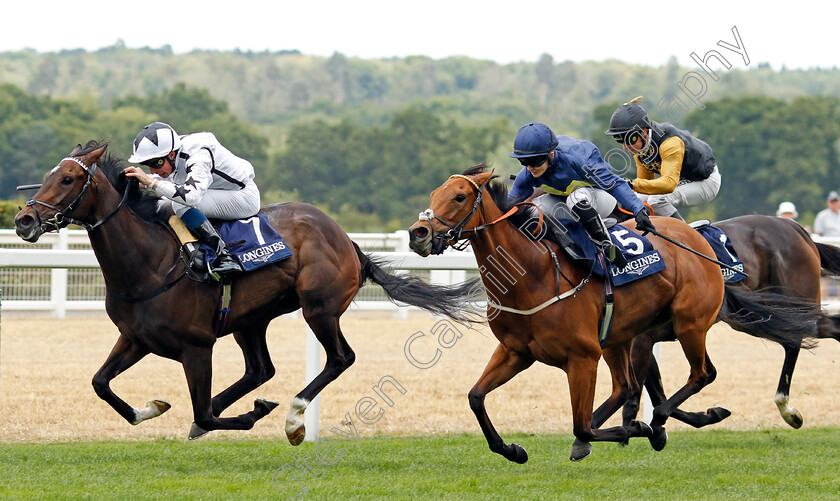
(67, 180)
(460, 197)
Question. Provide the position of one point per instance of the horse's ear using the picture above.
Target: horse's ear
(94, 155)
(482, 178)
(76, 150)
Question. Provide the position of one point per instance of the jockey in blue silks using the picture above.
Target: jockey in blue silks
(573, 175)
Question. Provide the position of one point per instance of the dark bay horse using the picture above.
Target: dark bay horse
(158, 312)
(777, 254)
(550, 307)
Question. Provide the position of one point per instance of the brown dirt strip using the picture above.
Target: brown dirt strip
(46, 366)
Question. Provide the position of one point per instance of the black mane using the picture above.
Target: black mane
(498, 192)
(142, 203)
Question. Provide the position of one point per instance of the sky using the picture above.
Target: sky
(645, 32)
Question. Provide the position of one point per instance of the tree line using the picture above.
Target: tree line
(377, 175)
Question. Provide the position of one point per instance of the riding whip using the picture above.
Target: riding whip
(689, 249)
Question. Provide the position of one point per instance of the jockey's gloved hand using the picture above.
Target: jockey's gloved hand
(643, 223)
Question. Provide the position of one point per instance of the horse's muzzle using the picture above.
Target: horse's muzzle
(420, 238)
(27, 227)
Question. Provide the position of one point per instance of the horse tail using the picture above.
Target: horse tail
(789, 321)
(454, 301)
(829, 257)
(830, 262)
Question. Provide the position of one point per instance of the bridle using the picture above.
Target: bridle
(455, 233)
(62, 216)
(62, 219)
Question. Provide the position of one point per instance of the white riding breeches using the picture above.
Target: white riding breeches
(687, 194)
(559, 206)
(226, 204)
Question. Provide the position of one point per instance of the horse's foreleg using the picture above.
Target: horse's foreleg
(503, 365)
(339, 357)
(582, 374)
(625, 386)
(123, 355)
(197, 362)
(791, 416)
(258, 368)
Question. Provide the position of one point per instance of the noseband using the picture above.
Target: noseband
(455, 233)
(61, 217)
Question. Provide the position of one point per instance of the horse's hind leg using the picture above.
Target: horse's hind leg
(197, 362)
(339, 357)
(258, 367)
(702, 373)
(123, 355)
(647, 370)
(503, 365)
(791, 416)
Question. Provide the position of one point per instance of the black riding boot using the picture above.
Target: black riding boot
(591, 221)
(225, 264)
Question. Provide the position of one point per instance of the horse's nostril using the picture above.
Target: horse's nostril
(420, 233)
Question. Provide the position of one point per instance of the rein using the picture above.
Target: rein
(456, 232)
(61, 217)
(558, 297)
(165, 287)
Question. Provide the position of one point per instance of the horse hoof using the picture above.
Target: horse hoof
(580, 450)
(516, 453)
(297, 436)
(659, 438)
(161, 405)
(718, 414)
(266, 405)
(644, 430)
(197, 432)
(794, 419)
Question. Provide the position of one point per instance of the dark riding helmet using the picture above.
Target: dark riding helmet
(533, 140)
(628, 116)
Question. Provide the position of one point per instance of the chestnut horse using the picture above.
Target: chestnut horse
(158, 312)
(546, 312)
(777, 253)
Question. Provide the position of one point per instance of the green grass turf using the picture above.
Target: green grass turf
(701, 465)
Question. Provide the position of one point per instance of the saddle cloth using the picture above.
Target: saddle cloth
(252, 241)
(724, 252)
(642, 259)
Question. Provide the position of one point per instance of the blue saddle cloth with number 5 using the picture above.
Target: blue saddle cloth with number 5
(642, 259)
(252, 241)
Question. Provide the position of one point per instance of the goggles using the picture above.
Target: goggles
(155, 163)
(533, 161)
(628, 138)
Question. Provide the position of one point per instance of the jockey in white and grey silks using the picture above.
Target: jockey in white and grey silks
(200, 178)
(210, 178)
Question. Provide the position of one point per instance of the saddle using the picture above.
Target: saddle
(252, 242)
(570, 236)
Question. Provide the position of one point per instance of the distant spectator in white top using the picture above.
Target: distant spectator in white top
(787, 210)
(827, 223)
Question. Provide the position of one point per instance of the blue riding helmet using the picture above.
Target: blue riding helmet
(532, 140)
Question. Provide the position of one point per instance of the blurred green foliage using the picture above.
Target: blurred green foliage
(367, 140)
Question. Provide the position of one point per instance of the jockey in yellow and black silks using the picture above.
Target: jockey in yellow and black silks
(673, 168)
